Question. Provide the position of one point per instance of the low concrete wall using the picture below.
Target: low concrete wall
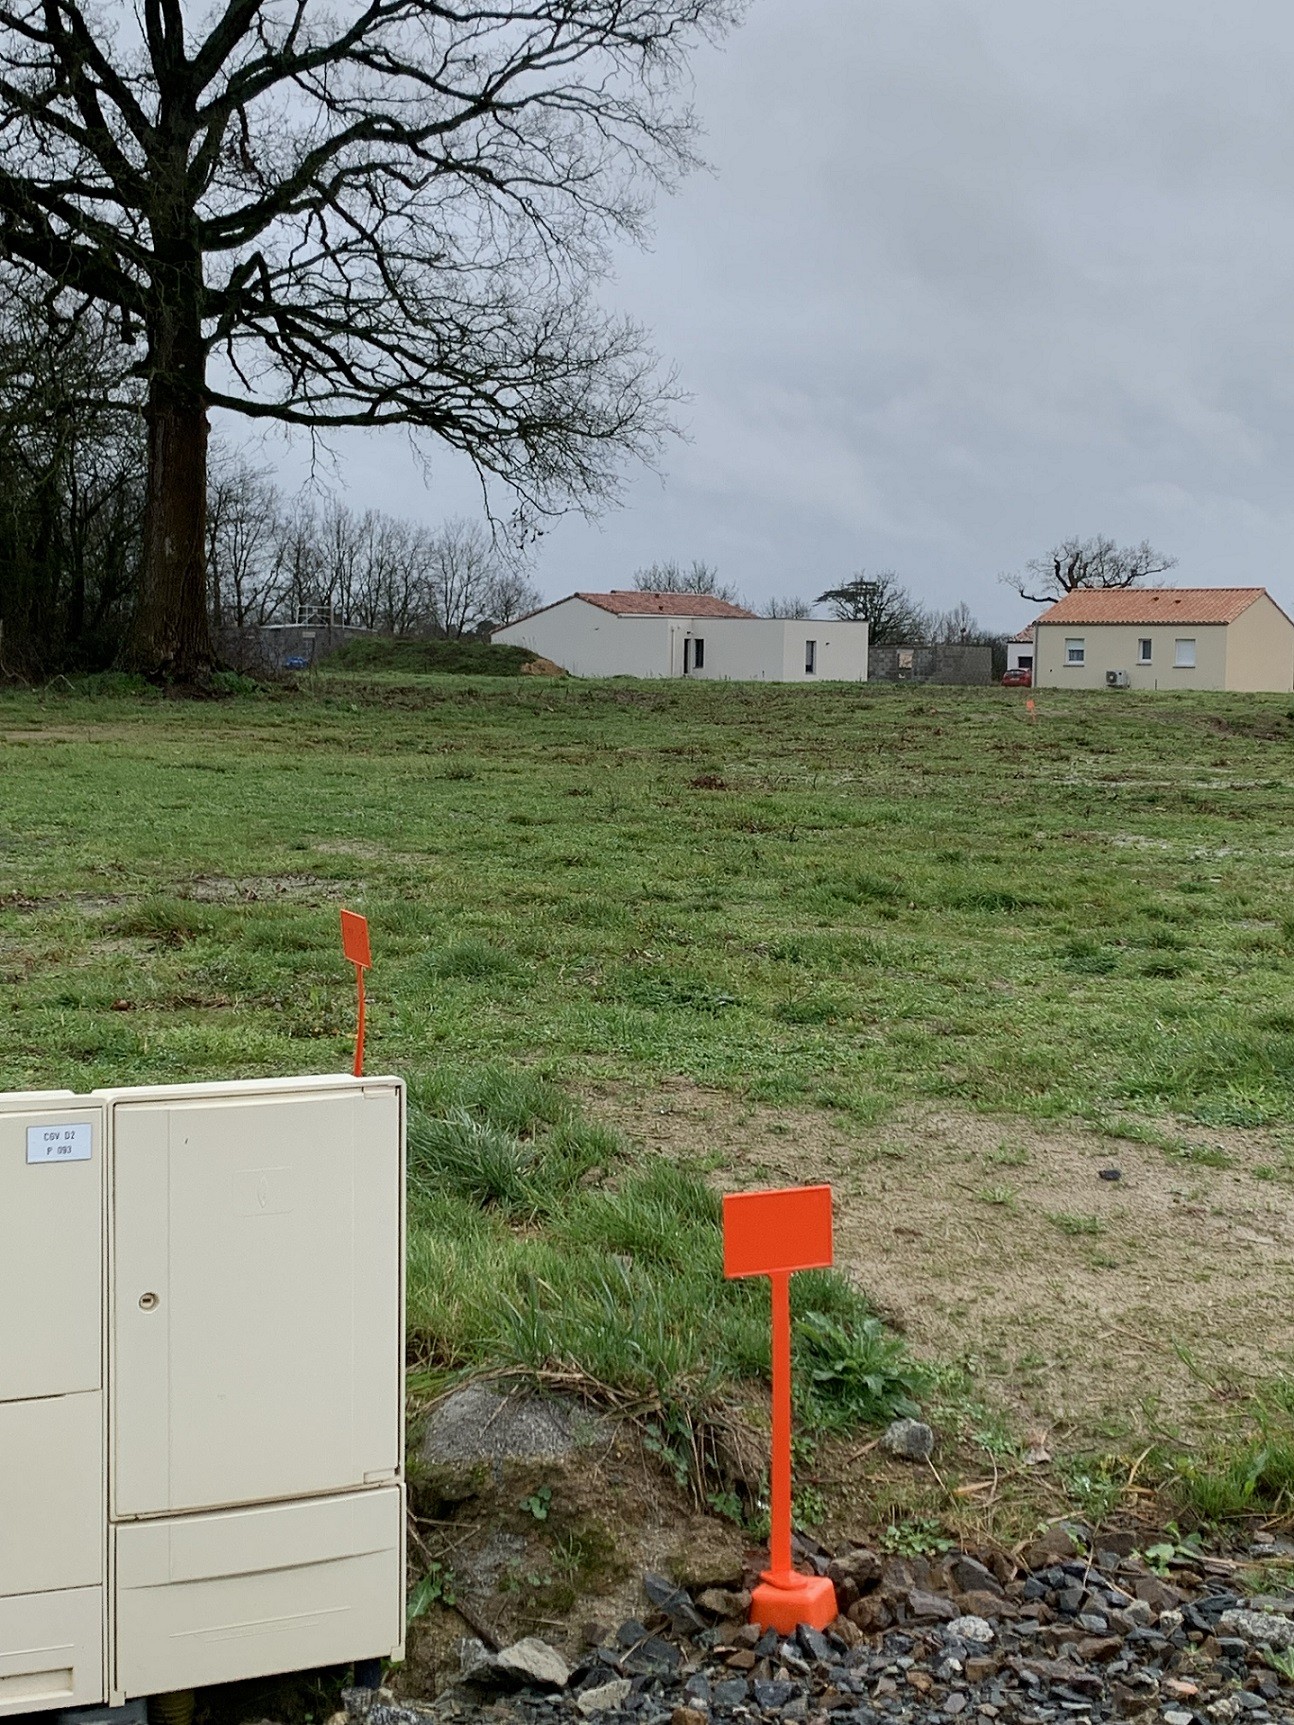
(957, 662)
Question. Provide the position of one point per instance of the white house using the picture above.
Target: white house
(1019, 650)
(633, 634)
(1165, 638)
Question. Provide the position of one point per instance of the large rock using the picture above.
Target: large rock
(1262, 1628)
(605, 1698)
(481, 1424)
(913, 1440)
(529, 1663)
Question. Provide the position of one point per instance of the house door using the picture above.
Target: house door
(687, 654)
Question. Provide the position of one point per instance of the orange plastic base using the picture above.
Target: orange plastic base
(785, 1601)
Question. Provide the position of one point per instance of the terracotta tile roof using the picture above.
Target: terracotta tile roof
(632, 603)
(1153, 605)
(1025, 634)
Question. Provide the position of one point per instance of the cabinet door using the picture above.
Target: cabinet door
(221, 1598)
(51, 1249)
(51, 1651)
(257, 1278)
(51, 1494)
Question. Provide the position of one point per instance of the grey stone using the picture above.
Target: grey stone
(913, 1440)
(814, 1643)
(528, 1661)
(731, 1692)
(481, 1424)
(970, 1576)
(604, 1698)
(975, 1631)
(1262, 1628)
(674, 1602)
(771, 1693)
(931, 1605)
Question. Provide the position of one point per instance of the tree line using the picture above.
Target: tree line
(72, 506)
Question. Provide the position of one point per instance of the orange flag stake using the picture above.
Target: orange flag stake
(354, 943)
(771, 1234)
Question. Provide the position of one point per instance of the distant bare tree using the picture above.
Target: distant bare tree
(674, 578)
(243, 509)
(462, 563)
(893, 616)
(1088, 563)
(958, 624)
(511, 594)
(790, 608)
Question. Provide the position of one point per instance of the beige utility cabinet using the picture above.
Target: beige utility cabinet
(201, 1385)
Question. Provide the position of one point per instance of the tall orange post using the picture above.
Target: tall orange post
(354, 943)
(771, 1234)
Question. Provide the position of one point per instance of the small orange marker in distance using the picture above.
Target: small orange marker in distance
(354, 943)
(771, 1234)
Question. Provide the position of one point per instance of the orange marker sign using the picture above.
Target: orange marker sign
(354, 943)
(771, 1234)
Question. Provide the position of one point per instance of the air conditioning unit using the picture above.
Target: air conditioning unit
(201, 1385)
(1117, 680)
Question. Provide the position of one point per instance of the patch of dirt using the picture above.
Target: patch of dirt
(1103, 1308)
(250, 889)
(541, 667)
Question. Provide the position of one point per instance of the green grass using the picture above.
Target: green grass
(900, 896)
(455, 658)
(841, 897)
(535, 1242)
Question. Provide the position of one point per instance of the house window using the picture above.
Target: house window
(1075, 652)
(1143, 650)
(810, 657)
(1025, 662)
(1184, 655)
(698, 653)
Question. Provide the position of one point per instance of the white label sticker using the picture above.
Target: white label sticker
(60, 1143)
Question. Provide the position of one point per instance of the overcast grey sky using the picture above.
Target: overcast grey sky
(968, 276)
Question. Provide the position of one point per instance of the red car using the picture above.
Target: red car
(1018, 679)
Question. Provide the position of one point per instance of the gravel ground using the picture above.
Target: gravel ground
(1065, 1635)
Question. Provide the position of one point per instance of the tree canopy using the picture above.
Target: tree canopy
(383, 212)
(1088, 563)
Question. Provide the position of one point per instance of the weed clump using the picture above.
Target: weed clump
(536, 1243)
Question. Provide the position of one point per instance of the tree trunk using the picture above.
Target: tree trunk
(170, 638)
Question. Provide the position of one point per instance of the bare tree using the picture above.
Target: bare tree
(511, 594)
(674, 578)
(1096, 562)
(893, 616)
(375, 213)
(243, 520)
(462, 564)
(791, 608)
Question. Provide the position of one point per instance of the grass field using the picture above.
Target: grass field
(847, 900)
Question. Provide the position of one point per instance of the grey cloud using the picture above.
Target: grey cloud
(969, 275)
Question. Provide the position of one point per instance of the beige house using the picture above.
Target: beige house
(1165, 638)
(635, 634)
